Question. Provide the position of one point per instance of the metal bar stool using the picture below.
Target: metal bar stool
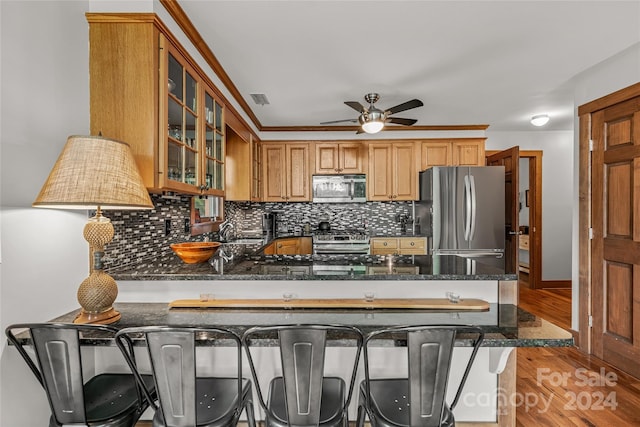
(186, 398)
(106, 399)
(417, 400)
(303, 395)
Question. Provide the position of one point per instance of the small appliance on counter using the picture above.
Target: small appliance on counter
(339, 188)
(268, 223)
(323, 222)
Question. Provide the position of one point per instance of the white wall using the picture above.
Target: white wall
(557, 187)
(45, 98)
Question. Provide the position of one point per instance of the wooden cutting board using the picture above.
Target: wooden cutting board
(396, 303)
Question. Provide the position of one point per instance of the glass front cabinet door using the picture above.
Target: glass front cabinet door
(192, 142)
(214, 145)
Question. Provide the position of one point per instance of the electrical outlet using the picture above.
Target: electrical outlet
(167, 227)
(187, 225)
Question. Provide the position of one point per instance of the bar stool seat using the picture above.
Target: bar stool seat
(333, 397)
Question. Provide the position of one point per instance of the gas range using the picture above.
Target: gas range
(341, 242)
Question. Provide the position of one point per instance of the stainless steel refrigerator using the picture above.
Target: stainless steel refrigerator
(461, 209)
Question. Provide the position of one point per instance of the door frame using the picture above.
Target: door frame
(535, 214)
(535, 217)
(584, 341)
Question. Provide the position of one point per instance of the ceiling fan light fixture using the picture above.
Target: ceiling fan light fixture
(372, 126)
(540, 119)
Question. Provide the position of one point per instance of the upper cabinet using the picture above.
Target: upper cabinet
(393, 171)
(145, 90)
(286, 172)
(243, 164)
(339, 157)
(452, 152)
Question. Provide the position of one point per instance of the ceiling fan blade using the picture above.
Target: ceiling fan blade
(414, 103)
(356, 106)
(340, 121)
(400, 121)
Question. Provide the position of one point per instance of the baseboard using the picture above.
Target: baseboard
(576, 337)
(555, 284)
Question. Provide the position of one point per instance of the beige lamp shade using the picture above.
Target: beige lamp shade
(93, 172)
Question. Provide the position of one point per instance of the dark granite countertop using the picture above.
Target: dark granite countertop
(505, 325)
(240, 262)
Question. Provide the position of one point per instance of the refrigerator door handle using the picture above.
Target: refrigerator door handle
(467, 208)
(474, 205)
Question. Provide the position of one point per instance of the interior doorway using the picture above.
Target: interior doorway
(530, 247)
(529, 264)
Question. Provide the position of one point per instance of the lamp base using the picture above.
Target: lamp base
(103, 318)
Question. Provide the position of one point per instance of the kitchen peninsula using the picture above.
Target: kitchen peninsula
(147, 289)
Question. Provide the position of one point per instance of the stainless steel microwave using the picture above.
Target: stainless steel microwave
(339, 188)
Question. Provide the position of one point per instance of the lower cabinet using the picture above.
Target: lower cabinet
(399, 246)
(290, 246)
(396, 269)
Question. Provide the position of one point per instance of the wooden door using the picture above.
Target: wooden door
(405, 175)
(510, 159)
(615, 250)
(273, 173)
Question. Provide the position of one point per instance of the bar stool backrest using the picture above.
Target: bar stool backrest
(302, 353)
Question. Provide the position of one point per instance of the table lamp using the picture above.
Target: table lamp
(95, 173)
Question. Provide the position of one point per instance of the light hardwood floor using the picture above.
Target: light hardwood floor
(564, 387)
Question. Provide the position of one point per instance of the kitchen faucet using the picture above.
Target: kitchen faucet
(226, 228)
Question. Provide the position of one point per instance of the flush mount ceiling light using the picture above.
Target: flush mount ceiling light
(540, 119)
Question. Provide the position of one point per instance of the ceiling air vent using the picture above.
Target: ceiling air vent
(259, 98)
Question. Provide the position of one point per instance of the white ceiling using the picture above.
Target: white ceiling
(470, 62)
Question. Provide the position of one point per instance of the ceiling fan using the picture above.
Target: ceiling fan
(372, 119)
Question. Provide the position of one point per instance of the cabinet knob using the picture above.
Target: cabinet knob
(385, 244)
(279, 245)
(413, 243)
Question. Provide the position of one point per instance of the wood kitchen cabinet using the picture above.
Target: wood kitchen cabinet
(339, 157)
(290, 246)
(452, 152)
(243, 166)
(393, 171)
(147, 91)
(286, 172)
(398, 245)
